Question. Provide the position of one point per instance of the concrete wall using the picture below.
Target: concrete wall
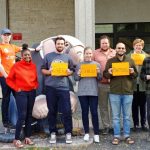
(117, 11)
(3, 14)
(40, 19)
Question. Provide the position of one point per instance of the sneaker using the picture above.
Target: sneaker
(96, 138)
(68, 138)
(52, 138)
(86, 137)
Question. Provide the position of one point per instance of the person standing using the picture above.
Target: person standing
(22, 78)
(7, 60)
(139, 96)
(88, 95)
(57, 90)
(121, 92)
(101, 56)
(145, 76)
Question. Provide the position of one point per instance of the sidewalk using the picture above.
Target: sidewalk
(79, 144)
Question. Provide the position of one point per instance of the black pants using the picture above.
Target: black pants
(139, 105)
(148, 108)
(24, 102)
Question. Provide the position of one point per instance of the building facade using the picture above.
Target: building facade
(36, 20)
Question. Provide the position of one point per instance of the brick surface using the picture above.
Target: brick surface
(40, 19)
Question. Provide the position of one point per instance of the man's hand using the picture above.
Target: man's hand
(148, 77)
(110, 70)
(131, 70)
(69, 72)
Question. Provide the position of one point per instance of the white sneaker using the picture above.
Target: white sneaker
(96, 138)
(68, 138)
(52, 138)
(86, 137)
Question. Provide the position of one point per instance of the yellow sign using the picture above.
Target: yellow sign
(59, 69)
(138, 58)
(88, 70)
(120, 69)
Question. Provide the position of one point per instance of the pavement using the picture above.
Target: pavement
(42, 140)
(41, 143)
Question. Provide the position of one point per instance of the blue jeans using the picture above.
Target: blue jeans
(56, 98)
(92, 103)
(118, 103)
(24, 102)
(6, 92)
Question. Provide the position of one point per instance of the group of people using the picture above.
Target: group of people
(124, 92)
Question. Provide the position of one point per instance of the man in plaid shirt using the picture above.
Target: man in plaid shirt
(145, 75)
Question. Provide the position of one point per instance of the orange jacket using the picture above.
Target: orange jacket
(23, 76)
(7, 56)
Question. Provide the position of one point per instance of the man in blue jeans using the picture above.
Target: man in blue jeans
(57, 90)
(121, 91)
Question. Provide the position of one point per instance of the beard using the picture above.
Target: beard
(122, 54)
(59, 49)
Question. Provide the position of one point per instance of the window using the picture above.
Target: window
(124, 32)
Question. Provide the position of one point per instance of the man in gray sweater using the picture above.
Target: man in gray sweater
(57, 90)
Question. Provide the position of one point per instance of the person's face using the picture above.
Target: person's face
(88, 55)
(120, 49)
(6, 37)
(104, 44)
(60, 45)
(138, 47)
(26, 56)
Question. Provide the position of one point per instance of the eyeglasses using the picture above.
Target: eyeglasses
(120, 48)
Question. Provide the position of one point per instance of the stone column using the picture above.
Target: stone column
(3, 14)
(85, 21)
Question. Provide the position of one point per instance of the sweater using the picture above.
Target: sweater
(121, 84)
(138, 81)
(57, 82)
(23, 76)
(88, 86)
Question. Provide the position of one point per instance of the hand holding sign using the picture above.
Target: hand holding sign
(138, 58)
(120, 69)
(131, 70)
(88, 70)
(59, 69)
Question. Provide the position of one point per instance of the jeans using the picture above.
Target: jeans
(118, 103)
(6, 92)
(92, 103)
(56, 98)
(24, 102)
(12, 111)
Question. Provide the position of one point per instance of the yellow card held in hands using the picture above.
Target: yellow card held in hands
(88, 70)
(59, 69)
(138, 58)
(120, 69)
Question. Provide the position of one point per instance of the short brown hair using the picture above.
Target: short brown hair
(104, 37)
(138, 41)
(87, 48)
(59, 38)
